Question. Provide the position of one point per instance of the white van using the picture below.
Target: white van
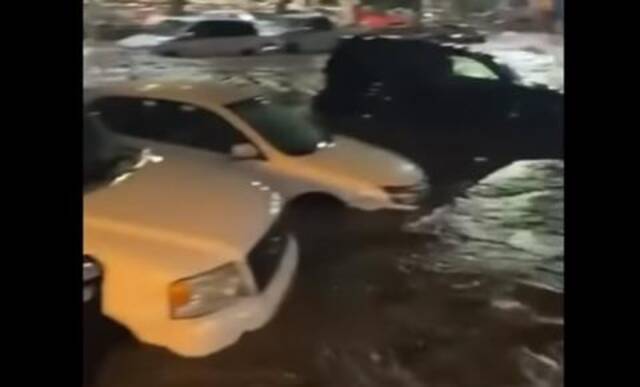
(267, 138)
(193, 251)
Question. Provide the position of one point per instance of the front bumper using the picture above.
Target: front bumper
(387, 201)
(408, 198)
(208, 334)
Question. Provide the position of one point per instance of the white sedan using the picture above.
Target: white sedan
(203, 37)
(267, 138)
(193, 249)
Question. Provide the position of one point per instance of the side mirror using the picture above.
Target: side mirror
(244, 151)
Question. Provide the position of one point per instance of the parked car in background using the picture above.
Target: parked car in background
(269, 138)
(164, 29)
(310, 32)
(194, 251)
(203, 37)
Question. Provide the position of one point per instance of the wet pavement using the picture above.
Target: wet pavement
(470, 295)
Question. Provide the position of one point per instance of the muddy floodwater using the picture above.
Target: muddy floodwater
(462, 298)
(467, 294)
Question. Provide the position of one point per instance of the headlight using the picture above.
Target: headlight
(207, 292)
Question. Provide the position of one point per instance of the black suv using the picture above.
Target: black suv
(418, 96)
(431, 81)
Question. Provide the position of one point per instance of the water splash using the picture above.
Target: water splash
(512, 220)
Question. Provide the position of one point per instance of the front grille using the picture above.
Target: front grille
(265, 257)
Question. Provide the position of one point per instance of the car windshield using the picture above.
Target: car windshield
(169, 27)
(104, 158)
(285, 127)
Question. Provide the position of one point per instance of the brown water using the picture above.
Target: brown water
(434, 307)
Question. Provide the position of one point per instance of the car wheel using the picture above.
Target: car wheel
(248, 52)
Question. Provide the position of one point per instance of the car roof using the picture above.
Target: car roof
(187, 19)
(195, 92)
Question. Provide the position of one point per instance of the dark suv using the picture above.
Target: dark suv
(416, 96)
(432, 82)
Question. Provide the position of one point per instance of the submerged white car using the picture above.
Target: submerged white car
(267, 138)
(196, 36)
(309, 32)
(193, 251)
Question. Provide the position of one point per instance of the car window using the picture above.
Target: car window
(222, 28)
(285, 127)
(168, 27)
(471, 68)
(168, 121)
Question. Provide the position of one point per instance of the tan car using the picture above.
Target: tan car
(269, 139)
(193, 250)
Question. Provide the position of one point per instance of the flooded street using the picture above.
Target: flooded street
(468, 294)
(388, 309)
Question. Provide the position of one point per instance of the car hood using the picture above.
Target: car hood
(195, 204)
(143, 40)
(365, 162)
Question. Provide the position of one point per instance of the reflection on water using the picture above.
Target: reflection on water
(510, 227)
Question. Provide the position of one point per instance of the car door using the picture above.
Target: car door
(220, 37)
(475, 93)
